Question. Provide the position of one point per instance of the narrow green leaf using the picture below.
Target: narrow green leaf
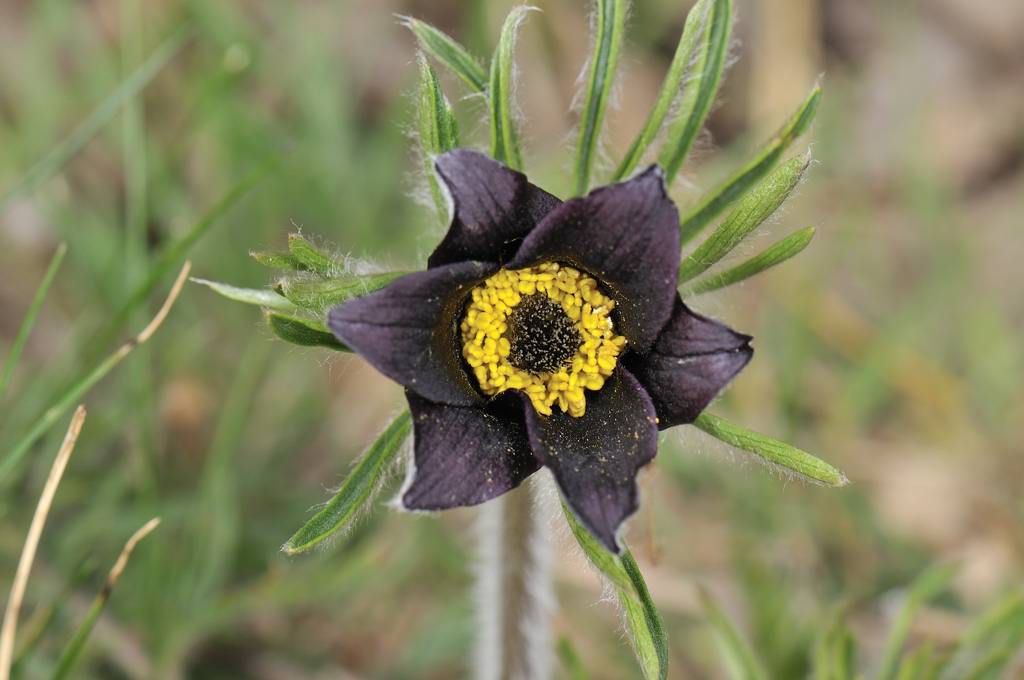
(719, 198)
(42, 622)
(438, 131)
(649, 639)
(983, 645)
(992, 665)
(30, 317)
(606, 562)
(303, 331)
(276, 260)
(737, 655)
(80, 386)
(753, 209)
(928, 585)
(571, 661)
(696, 21)
(611, 21)
(775, 254)
(504, 137)
(922, 663)
(705, 63)
(68, 147)
(771, 450)
(310, 257)
(261, 297)
(833, 655)
(319, 295)
(447, 51)
(643, 623)
(172, 256)
(358, 488)
(1004, 617)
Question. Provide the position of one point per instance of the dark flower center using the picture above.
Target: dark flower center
(542, 336)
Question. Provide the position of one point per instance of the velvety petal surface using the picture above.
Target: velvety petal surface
(408, 330)
(595, 458)
(466, 455)
(692, 360)
(494, 207)
(627, 236)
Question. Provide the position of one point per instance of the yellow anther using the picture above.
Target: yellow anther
(486, 347)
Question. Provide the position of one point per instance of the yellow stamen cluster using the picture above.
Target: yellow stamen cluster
(486, 345)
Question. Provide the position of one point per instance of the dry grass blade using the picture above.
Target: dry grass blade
(28, 553)
(51, 414)
(126, 552)
(74, 648)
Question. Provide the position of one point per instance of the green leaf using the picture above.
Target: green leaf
(775, 254)
(611, 20)
(719, 198)
(984, 645)
(319, 295)
(448, 52)
(303, 331)
(261, 297)
(172, 256)
(73, 393)
(358, 488)
(30, 316)
(68, 147)
(705, 62)
(696, 21)
(276, 259)
(992, 665)
(648, 631)
(921, 664)
(643, 623)
(736, 653)
(753, 209)
(834, 652)
(438, 131)
(925, 587)
(771, 450)
(310, 257)
(504, 138)
(571, 661)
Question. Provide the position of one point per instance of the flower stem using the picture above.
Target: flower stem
(514, 588)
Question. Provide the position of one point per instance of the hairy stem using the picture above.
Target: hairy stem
(514, 588)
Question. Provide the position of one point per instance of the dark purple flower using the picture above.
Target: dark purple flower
(543, 333)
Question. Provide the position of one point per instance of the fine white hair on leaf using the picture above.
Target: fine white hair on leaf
(417, 180)
(694, 441)
(517, 16)
(703, 143)
(602, 159)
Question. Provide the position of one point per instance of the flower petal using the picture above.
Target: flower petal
(466, 456)
(595, 458)
(409, 330)
(626, 235)
(494, 207)
(692, 360)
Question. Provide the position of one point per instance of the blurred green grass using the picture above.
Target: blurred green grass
(892, 346)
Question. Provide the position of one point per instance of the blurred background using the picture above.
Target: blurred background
(893, 347)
